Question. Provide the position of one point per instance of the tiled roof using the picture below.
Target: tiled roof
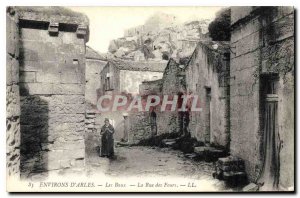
(223, 46)
(93, 54)
(154, 66)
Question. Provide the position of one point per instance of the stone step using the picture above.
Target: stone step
(235, 178)
(90, 111)
(168, 142)
(231, 167)
(89, 121)
(230, 161)
(233, 174)
(192, 156)
(209, 153)
(90, 115)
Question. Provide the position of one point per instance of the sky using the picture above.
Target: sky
(108, 23)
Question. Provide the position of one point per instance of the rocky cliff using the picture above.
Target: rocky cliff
(160, 38)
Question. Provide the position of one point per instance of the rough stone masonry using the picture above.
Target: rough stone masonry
(51, 76)
(262, 42)
(12, 96)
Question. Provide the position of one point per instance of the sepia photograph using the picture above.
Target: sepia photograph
(150, 99)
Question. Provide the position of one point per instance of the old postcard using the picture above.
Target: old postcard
(150, 99)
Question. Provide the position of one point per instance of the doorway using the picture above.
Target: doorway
(153, 123)
(208, 115)
(270, 140)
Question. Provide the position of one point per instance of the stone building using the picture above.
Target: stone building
(173, 83)
(262, 93)
(246, 90)
(155, 121)
(95, 62)
(204, 74)
(125, 77)
(122, 76)
(46, 58)
(207, 77)
(151, 87)
(94, 65)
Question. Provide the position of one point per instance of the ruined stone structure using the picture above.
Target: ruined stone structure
(51, 74)
(207, 77)
(169, 39)
(262, 91)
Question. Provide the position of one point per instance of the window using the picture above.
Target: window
(108, 84)
(269, 83)
(75, 62)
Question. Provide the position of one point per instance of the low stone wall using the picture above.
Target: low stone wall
(139, 127)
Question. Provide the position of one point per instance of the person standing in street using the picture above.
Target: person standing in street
(107, 140)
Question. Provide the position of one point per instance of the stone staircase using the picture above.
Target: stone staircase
(231, 169)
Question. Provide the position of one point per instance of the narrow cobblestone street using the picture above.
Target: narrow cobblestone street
(146, 162)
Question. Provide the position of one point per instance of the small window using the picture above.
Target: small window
(208, 92)
(108, 83)
(75, 62)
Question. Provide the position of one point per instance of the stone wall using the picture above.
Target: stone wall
(244, 95)
(93, 80)
(127, 76)
(131, 80)
(150, 87)
(52, 88)
(258, 34)
(139, 127)
(207, 77)
(12, 96)
(173, 83)
(113, 73)
(93, 88)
